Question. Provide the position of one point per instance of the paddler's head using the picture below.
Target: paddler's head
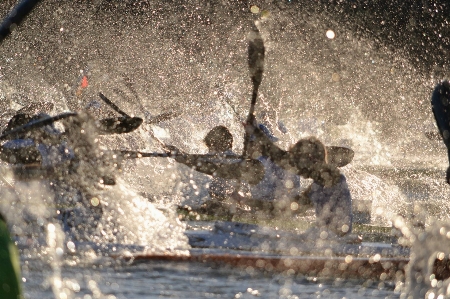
(219, 139)
(308, 151)
(309, 157)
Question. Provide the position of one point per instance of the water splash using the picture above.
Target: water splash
(429, 246)
(372, 194)
(131, 219)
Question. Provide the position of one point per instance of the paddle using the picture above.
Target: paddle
(118, 125)
(256, 53)
(227, 166)
(16, 16)
(339, 156)
(11, 134)
(206, 157)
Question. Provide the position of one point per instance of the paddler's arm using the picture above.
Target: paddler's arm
(324, 174)
(191, 160)
(267, 147)
(248, 170)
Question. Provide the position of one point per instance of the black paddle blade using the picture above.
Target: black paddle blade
(256, 52)
(119, 125)
(28, 114)
(339, 156)
(16, 121)
(34, 124)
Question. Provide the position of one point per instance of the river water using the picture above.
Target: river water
(338, 71)
(188, 280)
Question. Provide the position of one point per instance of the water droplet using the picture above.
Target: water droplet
(95, 201)
(330, 34)
(254, 9)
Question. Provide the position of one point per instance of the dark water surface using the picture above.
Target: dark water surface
(195, 280)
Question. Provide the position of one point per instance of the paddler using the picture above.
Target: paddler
(70, 162)
(279, 187)
(308, 158)
(440, 105)
(227, 174)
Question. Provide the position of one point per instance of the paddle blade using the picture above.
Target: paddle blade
(28, 114)
(119, 125)
(16, 121)
(34, 124)
(16, 16)
(339, 156)
(256, 52)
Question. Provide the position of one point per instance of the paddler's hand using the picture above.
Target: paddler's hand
(171, 150)
(250, 125)
(249, 129)
(175, 153)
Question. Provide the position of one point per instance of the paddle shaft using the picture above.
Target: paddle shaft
(137, 154)
(256, 52)
(112, 105)
(16, 16)
(36, 124)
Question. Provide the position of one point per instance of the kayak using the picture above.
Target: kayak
(254, 248)
(383, 268)
(257, 248)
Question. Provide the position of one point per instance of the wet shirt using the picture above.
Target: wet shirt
(221, 188)
(277, 182)
(333, 206)
(50, 155)
(28, 150)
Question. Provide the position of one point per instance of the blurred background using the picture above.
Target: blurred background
(354, 73)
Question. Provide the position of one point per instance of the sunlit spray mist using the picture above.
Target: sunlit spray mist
(429, 247)
(131, 219)
(30, 213)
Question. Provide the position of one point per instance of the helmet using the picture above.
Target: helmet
(219, 139)
(307, 152)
